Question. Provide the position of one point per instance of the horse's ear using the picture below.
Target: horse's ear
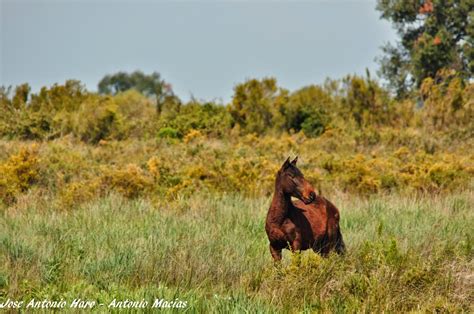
(286, 164)
(294, 161)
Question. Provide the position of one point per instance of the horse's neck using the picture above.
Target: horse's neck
(279, 208)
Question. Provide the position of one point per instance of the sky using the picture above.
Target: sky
(202, 48)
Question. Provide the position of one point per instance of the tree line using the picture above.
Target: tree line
(427, 74)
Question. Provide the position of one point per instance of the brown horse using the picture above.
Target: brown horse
(310, 222)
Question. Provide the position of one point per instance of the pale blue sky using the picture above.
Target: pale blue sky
(203, 48)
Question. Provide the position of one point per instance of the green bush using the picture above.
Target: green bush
(367, 102)
(257, 106)
(448, 104)
(308, 110)
(208, 118)
(97, 119)
(168, 132)
(138, 114)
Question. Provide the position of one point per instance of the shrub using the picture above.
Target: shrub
(356, 175)
(48, 113)
(435, 174)
(154, 166)
(307, 110)
(138, 113)
(131, 182)
(19, 173)
(192, 134)
(366, 101)
(448, 103)
(257, 105)
(208, 118)
(368, 137)
(168, 132)
(76, 193)
(98, 118)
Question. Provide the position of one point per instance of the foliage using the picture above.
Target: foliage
(149, 85)
(357, 106)
(46, 113)
(96, 119)
(120, 201)
(257, 104)
(434, 35)
(449, 105)
(131, 181)
(208, 118)
(352, 134)
(169, 167)
(367, 102)
(169, 132)
(308, 110)
(76, 193)
(19, 173)
(137, 112)
(69, 109)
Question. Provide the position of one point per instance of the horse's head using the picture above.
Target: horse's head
(292, 182)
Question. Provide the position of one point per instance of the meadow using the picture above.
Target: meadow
(106, 197)
(404, 254)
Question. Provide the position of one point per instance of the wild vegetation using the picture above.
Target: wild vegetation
(66, 142)
(104, 197)
(132, 193)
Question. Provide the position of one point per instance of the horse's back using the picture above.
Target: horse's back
(332, 210)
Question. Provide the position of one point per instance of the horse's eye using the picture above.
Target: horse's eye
(291, 175)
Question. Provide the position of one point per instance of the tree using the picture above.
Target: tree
(367, 102)
(434, 35)
(12, 108)
(257, 105)
(448, 106)
(149, 85)
(308, 111)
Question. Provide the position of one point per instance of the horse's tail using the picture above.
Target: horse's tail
(340, 245)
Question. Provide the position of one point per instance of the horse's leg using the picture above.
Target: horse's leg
(326, 248)
(276, 253)
(321, 246)
(296, 243)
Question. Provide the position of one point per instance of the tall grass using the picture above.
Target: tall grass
(404, 254)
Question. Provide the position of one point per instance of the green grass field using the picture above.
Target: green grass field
(403, 254)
